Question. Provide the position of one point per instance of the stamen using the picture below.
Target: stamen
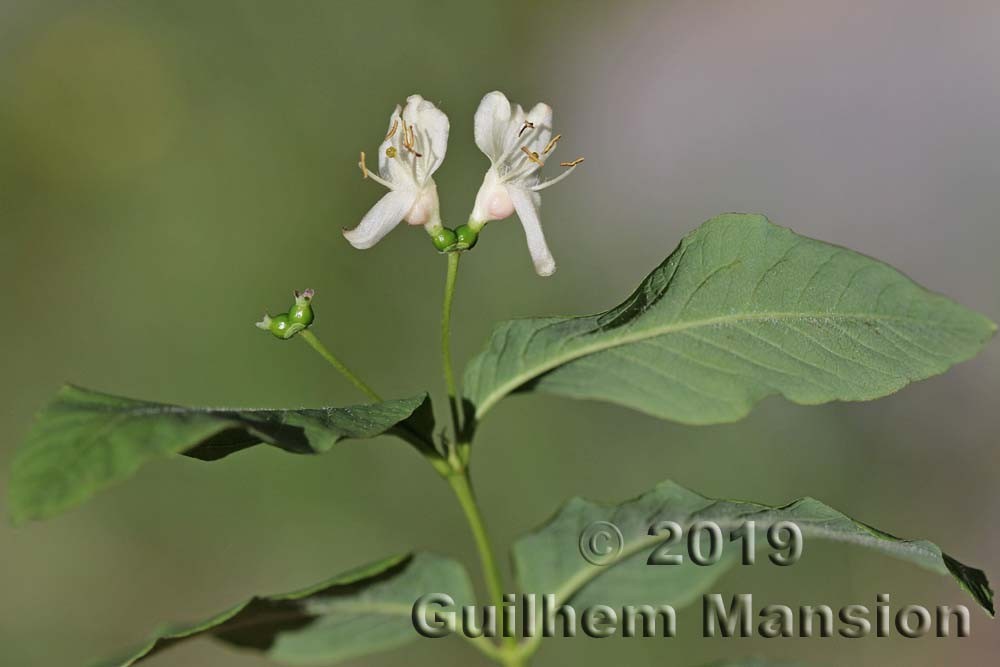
(531, 155)
(552, 144)
(409, 139)
(390, 151)
(369, 175)
(524, 127)
(549, 183)
(392, 130)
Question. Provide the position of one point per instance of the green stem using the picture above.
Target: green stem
(458, 477)
(421, 441)
(449, 375)
(314, 343)
(460, 484)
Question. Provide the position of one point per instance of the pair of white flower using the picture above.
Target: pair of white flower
(517, 144)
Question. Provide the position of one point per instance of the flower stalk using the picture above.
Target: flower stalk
(332, 359)
(449, 374)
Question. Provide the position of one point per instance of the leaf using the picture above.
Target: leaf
(354, 614)
(743, 309)
(84, 440)
(550, 561)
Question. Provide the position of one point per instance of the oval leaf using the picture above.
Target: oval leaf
(354, 614)
(743, 309)
(84, 440)
(550, 561)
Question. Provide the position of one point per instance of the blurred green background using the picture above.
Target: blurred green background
(171, 170)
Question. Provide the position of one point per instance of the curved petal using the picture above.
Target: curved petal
(527, 203)
(392, 138)
(492, 124)
(431, 128)
(540, 117)
(383, 217)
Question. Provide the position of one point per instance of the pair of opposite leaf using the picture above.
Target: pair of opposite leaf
(518, 144)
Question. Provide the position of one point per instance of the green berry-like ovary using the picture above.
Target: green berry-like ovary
(467, 237)
(281, 327)
(298, 318)
(444, 240)
(301, 312)
(301, 315)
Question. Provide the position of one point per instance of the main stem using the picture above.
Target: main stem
(310, 338)
(449, 375)
(463, 491)
(460, 484)
(458, 473)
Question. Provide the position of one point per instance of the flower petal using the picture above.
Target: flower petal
(492, 126)
(540, 117)
(393, 138)
(431, 128)
(527, 203)
(383, 217)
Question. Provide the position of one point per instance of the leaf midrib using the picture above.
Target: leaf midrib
(673, 327)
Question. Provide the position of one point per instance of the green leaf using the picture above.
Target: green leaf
(743, 309)
(354, 614)
(550, 559)
(84, 440)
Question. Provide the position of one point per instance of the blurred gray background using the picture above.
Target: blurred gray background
(171, 170)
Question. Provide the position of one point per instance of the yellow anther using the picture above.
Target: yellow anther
(571, 164)
(552, 144)
(390, 151)
(524, 127)
(364, 169)
(531, 155)
(392, 130)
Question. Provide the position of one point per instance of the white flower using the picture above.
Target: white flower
(411, 152)
(517, 145)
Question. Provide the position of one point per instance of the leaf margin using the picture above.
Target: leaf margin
(479, 402)
(37, 468)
